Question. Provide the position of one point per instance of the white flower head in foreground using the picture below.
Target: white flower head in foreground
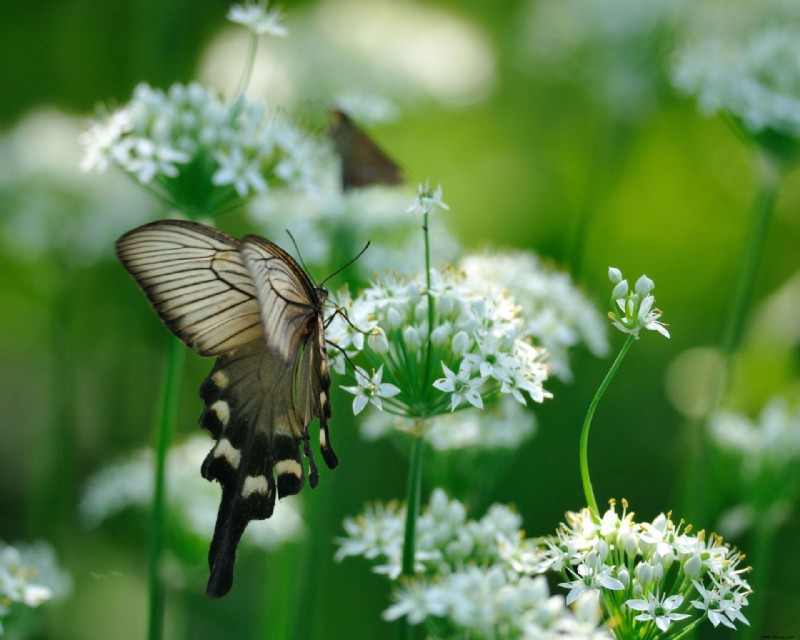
(462, 583)
(256, 17)
(475, 350)
(29, 577)
(557, 314)
(754, 78)
(670, 577)
(194, 501)
(632, 311)
(199, 152)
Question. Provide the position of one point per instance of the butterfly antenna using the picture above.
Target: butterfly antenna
(341, 311)
(340, 269)
(297, 249)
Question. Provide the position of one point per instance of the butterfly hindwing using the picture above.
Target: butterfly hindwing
(251, 304)
(249, 411)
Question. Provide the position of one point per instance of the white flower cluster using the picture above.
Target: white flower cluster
(29, 576)
(478, 341)
(258, 19)
(754, 78)
(48, 208)
(193, 500)
(764, 455)
(187, 136)
(460, 583)
(651, 573)
(636, 307)
(558, 315)
(504, 425)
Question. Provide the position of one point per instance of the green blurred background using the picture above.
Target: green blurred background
(522, 151)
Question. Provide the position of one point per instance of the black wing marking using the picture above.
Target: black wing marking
(194, 278)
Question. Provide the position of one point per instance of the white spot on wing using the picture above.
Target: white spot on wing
(323, 398)
(225, 449)
(220, 379)
(254, 484)
(289, 466)
(222, 411)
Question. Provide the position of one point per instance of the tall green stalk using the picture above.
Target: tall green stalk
(695, 487)
(588, 491)
(168, 412)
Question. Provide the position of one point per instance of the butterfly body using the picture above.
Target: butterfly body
(251, 305)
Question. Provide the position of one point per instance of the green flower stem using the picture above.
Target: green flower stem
(249, 64)
(761, 558)
(413, 493)
(695, 488)
(430, 298)
(170, 391)
(587, 423)
(413, 497)
(753, 250)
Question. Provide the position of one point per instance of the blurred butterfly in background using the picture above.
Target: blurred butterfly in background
(253, 307)
(363, 161)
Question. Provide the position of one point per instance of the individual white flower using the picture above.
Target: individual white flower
(370, 389)
(632, 311)
(256, 17)
(659, 609)
(462, 386)
(242, 173)
(591, 576)
(426, 199)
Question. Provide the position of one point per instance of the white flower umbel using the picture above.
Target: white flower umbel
(476, 350)
(655, 579)
(193, 500)
(198, 152)
(558, 315)
(461, 583)
(29, 577)
(632, 311)
(752, 78)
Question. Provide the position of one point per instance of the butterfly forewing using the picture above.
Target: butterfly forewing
(289, 304)
(194, 277)
(250, 303)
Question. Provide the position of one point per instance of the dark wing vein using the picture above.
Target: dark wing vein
(194, 278)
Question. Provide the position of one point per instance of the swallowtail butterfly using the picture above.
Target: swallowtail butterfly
(251, 305)
(363, 162)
